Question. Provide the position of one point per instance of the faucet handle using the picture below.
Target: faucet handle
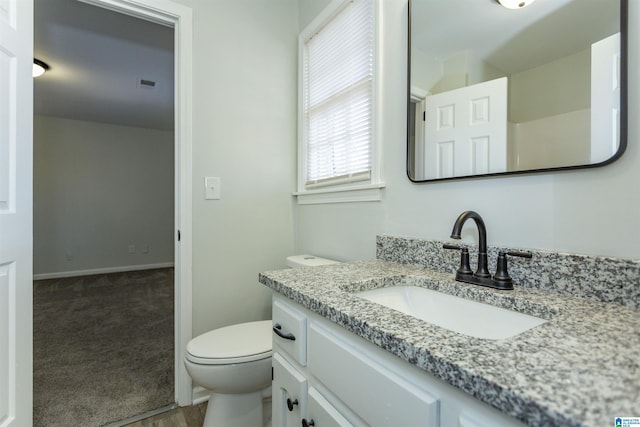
(520, 254)
(448, 246)
(465, 268)
(502, 278)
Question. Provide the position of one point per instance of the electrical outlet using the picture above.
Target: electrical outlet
(69, 256)
(145, 249)
(132, 249)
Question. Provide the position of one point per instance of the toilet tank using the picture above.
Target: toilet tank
(299, 261)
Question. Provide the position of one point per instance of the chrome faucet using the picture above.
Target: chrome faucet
(482, 277)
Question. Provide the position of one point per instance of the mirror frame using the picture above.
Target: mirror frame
(624, 34)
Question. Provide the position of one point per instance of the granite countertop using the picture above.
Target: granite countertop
(580, 368)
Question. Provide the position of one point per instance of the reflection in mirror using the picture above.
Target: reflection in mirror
(495, 90)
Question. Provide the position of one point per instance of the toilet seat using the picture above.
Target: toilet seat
(240, 343)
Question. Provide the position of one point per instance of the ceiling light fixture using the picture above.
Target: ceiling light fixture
(515, 4)
(39, 67)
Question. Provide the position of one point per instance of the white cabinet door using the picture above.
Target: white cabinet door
(321, 413)
(16, 236)
(367, 387)
(289, 400)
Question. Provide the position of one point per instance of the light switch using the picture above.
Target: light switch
(212, 187)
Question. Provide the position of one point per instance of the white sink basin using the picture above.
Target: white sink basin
(457, 314)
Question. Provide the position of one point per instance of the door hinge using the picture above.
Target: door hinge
(178, 235)
(424, 116)
(272, 373)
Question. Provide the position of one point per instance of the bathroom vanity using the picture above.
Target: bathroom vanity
(356, 362)
(330, 377)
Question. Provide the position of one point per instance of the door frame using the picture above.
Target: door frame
(179, 17)
(16, 214)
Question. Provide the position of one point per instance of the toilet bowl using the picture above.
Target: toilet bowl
(234, 364)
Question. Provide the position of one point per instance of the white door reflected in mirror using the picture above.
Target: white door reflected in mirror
(561, 62)
(466, 131)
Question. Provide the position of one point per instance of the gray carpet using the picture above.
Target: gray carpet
(103, 347)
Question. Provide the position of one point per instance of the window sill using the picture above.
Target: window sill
(360, 193)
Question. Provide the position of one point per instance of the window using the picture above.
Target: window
(337, 140)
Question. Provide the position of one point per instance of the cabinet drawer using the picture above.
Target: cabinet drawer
(381, 397)
(290, 331)
(289, 398)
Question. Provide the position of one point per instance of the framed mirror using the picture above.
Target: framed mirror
(496, 91)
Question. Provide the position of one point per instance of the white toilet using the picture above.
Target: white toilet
(234, 363)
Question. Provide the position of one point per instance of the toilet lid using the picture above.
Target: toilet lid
(241, 343)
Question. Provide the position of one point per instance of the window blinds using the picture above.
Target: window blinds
(338, 98)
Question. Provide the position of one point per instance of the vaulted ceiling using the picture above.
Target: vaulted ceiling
(511, 40)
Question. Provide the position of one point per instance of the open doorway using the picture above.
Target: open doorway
(97, 153)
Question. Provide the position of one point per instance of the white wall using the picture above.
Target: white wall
(553, 141)
(99, 188)
(244, 130)
(558, 87)
(594, 211)
(426, 71)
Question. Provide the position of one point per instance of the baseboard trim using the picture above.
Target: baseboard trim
(107, 270)
(199, 395)
(142, 416)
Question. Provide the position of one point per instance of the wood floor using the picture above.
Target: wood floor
(188, 416)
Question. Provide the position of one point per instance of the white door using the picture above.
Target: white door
(16, 117)
(466, 131)
(605, 98)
